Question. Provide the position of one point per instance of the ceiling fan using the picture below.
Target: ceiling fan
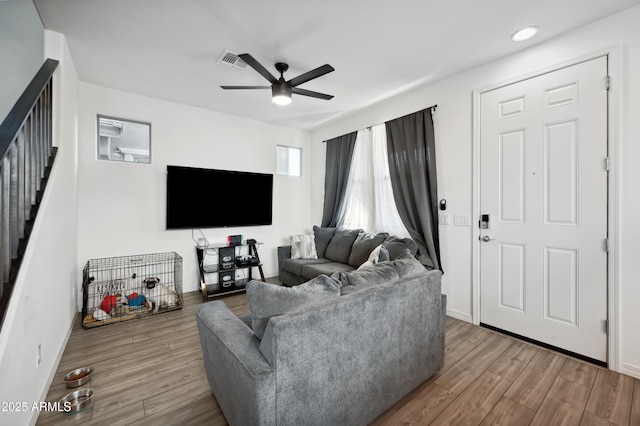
(281, 90)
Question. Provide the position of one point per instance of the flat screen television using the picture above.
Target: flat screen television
(209, 198)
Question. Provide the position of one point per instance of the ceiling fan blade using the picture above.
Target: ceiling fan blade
(258, 67)
(245, 87)
(311, 93)
(318, 72)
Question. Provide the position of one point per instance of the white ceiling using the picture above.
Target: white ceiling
(379, 48)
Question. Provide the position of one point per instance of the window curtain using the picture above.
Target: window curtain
(369, 202)
(412, 164)
(338, 161)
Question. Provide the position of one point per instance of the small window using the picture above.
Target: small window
(124, 140)
(289, 160)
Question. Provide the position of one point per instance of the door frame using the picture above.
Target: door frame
(613, 125)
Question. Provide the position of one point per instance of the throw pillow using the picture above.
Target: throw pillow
(268, 300)
(303, 247)
(396, 246)
(370, 276)
(363, 246)
(339, 247)
(378, 254)
(407, 264)
(323, 237)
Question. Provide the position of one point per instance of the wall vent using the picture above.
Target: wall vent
(232, 60)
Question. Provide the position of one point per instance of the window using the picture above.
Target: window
(369, 198)
(123, 140)
(289, 160)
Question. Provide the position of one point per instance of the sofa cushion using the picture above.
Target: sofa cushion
(323, 237)
(312, 270)
(379, 254)
(396, 246)
(303, 247)
(362, 247)
(369, 276)
(268, 300)
(295, 266)
(339, 247)
(406, 264)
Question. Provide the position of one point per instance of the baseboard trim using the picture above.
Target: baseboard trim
(630, 370)
(459, 315)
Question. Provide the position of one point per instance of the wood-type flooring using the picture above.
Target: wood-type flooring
(150, 372)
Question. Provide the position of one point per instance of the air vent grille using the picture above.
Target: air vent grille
(232, 60)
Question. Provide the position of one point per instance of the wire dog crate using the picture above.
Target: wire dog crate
(117, 289)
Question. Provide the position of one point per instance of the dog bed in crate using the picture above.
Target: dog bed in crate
(117, 289)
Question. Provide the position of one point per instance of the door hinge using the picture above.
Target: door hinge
(606, 164)
(607, 83)
(605, 324)
(606, 245)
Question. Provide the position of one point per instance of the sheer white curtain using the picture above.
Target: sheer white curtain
(369, 198)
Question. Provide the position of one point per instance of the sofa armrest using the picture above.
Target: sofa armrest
(235, 367)
(284, 252)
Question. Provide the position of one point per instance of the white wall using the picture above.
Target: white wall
(21, 50)
(43, 305)
(122, 205)
(454, 138)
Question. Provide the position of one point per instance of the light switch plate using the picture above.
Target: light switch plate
(461, 220)
(444, 219)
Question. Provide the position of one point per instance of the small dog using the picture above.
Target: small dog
(151, 282)
(161, 296)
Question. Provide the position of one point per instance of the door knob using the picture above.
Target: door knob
(486, 238)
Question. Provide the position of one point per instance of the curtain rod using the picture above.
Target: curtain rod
(432, 108)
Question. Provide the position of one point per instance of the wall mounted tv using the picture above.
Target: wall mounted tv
(208, 198)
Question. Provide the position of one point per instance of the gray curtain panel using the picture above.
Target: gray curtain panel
(339, 154)
(412, 164)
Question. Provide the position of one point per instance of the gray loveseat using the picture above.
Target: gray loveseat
(342, 358)
(338, 250)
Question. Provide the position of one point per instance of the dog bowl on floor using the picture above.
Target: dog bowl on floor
(78, 377)
(76, 401)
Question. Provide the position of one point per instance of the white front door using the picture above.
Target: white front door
(543, 185)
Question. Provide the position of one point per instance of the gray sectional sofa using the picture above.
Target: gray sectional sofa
(338, 250)
(332, 351)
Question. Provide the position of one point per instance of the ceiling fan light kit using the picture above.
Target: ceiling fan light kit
(281, 89)
(281, 94)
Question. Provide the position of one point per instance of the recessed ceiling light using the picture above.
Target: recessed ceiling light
(525, 34)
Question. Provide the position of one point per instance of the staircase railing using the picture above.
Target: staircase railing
(26, 157)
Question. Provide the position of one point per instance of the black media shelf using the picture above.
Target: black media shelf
(225, 270)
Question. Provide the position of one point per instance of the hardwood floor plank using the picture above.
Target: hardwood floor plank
(635, 403)
(460, 376)
(611, 396)
(554, 412)
(122, 417)
(531, 386)
(579, 372)
(508, 413)
(475, 402)
(569, 392)
(513, 361)
(175, 396)
(115, 395)
(589, 419)
(423, 407)
(202, 407)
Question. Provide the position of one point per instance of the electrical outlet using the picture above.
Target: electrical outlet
(38, 354)
(444, 219)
